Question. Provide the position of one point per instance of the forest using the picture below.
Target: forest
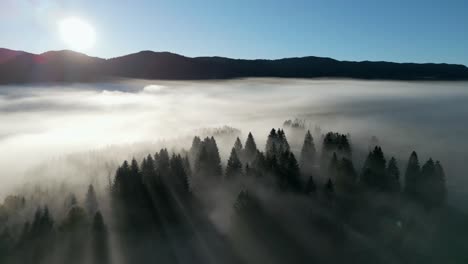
(302, 198)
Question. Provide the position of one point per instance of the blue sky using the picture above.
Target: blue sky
(416, 31)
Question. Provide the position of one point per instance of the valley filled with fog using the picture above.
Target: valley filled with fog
(109, 122)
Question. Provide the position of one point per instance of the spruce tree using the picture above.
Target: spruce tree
(346, 176)
(310, 186)
(374, 174)
(91, 202)
(238, 146)
(271, 144)
(412, 176)
(250, 148)
(234, 166)
(440, 189)
(99, 240)
(179, 178)
(333, 167)
(308, 154)
(393, 174)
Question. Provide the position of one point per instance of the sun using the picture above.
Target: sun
(77, 34)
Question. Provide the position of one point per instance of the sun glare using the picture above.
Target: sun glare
(77, 34)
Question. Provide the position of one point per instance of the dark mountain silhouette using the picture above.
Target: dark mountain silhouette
(69, 66)
(52, 66)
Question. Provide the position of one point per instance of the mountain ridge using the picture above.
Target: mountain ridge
(71, 66)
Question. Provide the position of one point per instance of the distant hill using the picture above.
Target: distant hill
(69, 66)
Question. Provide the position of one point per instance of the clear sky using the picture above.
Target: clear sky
(396, 30)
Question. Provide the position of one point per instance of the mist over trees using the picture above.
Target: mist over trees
(288, 203)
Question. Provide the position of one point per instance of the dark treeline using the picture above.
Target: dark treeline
(277, 206)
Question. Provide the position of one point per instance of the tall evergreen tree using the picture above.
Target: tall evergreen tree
(440, 189)
(346, 176)
(99, 240)
(374, 174)
(308, 154)
(393, 175)
(271, 146)
(234, 166)
(91, 202)
(329, 189)
(179, 178)
(250, 148)
(238, 146)
(289, 178)
(333, 167)
(310, 186)
(148, 170)
(163, 163)
(412, 175)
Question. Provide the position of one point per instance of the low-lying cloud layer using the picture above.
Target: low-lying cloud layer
(43, 122)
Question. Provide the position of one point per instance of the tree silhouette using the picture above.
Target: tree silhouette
(310, 187)
(178, 175)
(308, 154)
(250, 148)
(346, 176)
(393, 175)
(234, 166)
(99, 240)
(374, 174)
(91, 202)
(289, 173)
(412, 176)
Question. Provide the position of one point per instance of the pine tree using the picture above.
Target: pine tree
(412, 176)
(310, 187)
(163, 163)
(148, 170)
(271, 144)
(238, 147)
(440, 189)
(333, 167)
(91, 202)
(374, 174)
(283, 145)
(329, 189)
(250, 149)
(393, 174)
(179, 178)
(346, 176)
(214, 158)
(308, 154)
(99, 240)
(289, 178)
(234, 166)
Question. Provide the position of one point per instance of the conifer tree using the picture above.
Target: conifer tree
(234, 166)
(99, 240)
(289, 178)
(329, 189)
(393, 175)
(440, 190)
(271, 144)
(238, 146)
(346, 176)
(333, 167)
(374, 174)
(308, 154)
(310, 186)
(178, 175)
(250, 148)
(412, 175)
(91, 202)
